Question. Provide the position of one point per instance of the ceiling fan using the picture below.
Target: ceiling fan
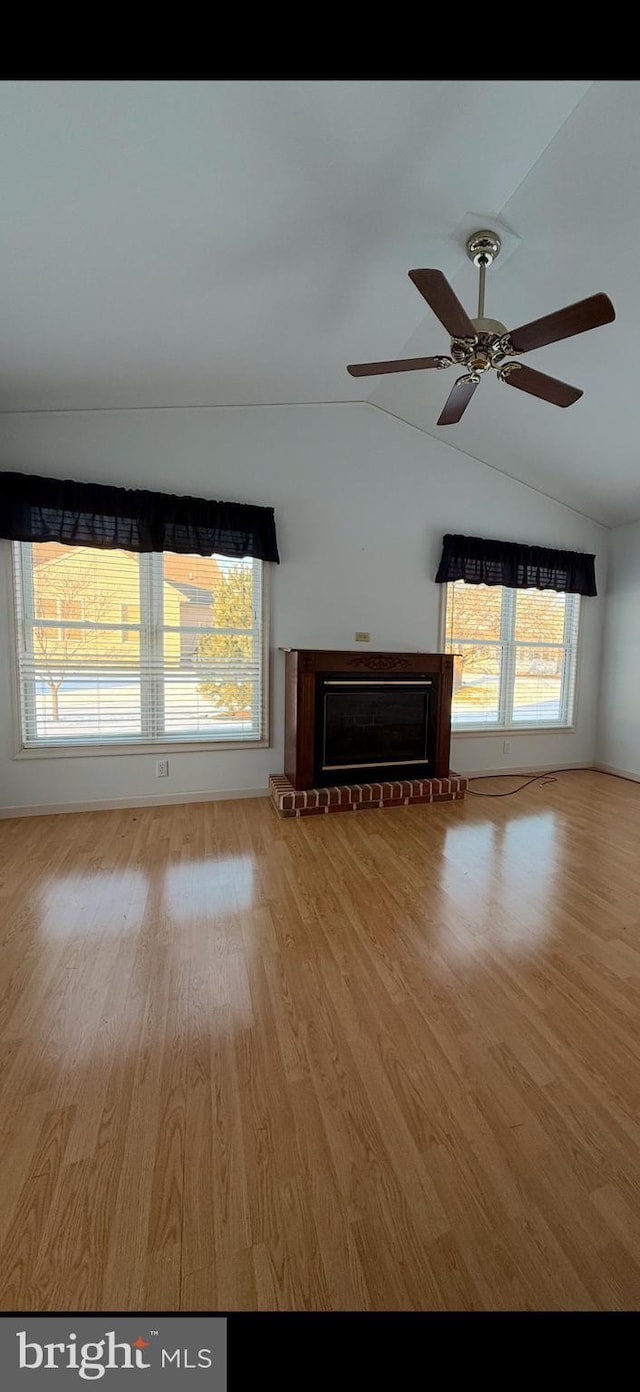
(482, 344)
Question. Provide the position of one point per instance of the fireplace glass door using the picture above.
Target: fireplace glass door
(375, 724)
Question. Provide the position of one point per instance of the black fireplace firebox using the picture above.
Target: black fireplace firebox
(371, 727)
(366, 717)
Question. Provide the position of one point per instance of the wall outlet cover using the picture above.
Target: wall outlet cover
(162, 768)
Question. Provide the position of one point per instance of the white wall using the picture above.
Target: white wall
(362, 501)
(619, 730)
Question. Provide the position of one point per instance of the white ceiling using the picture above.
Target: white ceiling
(228, 243)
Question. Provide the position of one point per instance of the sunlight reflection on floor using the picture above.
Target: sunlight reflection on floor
(492, 874)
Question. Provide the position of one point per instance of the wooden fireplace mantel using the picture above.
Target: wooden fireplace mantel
(302, 668)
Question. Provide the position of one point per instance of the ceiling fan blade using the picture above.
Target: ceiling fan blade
(400, 365)
(565, 323)
(539, 384)
(436, 290)
(457, 401)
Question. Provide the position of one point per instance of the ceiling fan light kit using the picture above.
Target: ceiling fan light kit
(481, 345)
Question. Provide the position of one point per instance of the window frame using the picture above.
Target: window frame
(145, 745)
(566, 726)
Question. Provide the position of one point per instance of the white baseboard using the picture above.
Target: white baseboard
(165, 799)
(522, 768)
(619, 773)
(113, 804)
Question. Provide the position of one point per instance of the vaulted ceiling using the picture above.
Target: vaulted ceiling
(230, 243)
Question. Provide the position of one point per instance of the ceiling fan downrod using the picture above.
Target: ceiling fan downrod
(483, 248)
(485, 350)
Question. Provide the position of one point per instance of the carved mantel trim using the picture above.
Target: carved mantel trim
(384, 662)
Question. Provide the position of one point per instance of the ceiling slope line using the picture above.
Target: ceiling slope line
(543, 152)
(608, 526)
(201, 406)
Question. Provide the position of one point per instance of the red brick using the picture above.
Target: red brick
(353, 798)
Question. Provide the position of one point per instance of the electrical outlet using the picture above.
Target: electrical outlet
(162, 768)
(506, 746)
(362, 637)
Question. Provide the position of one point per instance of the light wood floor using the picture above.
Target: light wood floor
(386, 1060)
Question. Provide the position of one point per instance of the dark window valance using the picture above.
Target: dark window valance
(131, 519)
(482, 562)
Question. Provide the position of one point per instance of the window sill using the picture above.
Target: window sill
(497, 730)
(91, 751)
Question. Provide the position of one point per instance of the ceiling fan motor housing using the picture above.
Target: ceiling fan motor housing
(486, 350)
(492, 327)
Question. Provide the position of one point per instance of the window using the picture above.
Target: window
(515, 663)
(119, 647)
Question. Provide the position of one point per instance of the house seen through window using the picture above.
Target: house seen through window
(515, 656)
(115, 646)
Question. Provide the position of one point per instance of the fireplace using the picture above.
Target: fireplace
(356, 717)
(366, 725)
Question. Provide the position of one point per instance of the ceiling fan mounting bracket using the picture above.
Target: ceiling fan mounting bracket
(462, 348)
(505, 347)
(508, 368)
(483, 247)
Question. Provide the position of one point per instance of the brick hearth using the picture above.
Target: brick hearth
(359, 796)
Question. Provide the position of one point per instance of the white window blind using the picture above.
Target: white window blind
(515, 656)
(116, 647)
